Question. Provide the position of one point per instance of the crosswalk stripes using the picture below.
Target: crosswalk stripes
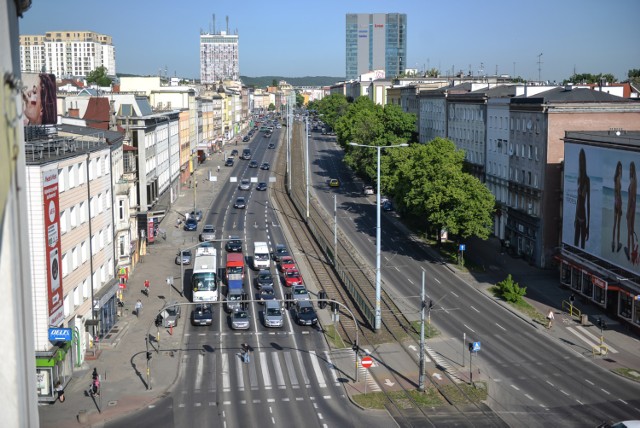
(266, 379)
(226, 385)
(291, 370)
(303, 371)
(317, 369)
(588, 337)
(332, 368)
(278, 369)
(444, 364)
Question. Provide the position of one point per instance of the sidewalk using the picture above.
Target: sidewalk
(122, 363)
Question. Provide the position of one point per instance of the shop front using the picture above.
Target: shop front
(105, 308)
(53, 366)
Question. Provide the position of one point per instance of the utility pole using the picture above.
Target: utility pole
(422, 305)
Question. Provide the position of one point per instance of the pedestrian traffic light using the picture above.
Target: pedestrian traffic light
(430, 304)
(334, 306)
(470, 347)
(355, 347)
(148, 355)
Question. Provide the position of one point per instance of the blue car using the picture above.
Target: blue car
(191, 224)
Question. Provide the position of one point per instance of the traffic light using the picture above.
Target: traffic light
(334, 306)
(470, 347)
(430, 304)
(355, 347)
(321, 296)
(148, 355)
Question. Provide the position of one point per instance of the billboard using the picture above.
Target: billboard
(52, 245)
(39, 99)
(600, 208)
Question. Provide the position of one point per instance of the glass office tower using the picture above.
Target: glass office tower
(376, 41)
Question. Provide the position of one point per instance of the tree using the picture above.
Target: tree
(588, 78)
(299, 99)
(99, 77)
(427, 181)
(274, 82)
(331, 108)
(634, 76)
(510, 290)
(271, 107)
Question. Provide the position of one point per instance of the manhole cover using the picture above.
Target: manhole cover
(112, 403)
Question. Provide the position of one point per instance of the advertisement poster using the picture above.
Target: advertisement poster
(600, 208)
(52, 245)
(39, 99)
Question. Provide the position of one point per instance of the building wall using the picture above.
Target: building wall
(497, 159)
(219, 58)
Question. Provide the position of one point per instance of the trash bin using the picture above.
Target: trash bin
(584, 319)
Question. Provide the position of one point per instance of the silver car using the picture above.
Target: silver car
(272, 314)
(208, 233)
(300, 292)
(240, 320)
(245, 184)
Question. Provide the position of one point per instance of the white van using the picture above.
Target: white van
(261, 259)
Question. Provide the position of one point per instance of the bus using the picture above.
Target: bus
(203, 278)
(235, 267)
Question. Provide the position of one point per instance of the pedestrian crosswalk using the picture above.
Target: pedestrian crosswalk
(266, 370)
(589, 338)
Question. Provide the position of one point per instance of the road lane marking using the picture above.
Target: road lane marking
(469, 328)
(454, 293)
(264, 368)
(565, 393)
(278, 369)
(199, 369)
(528, 396)
(589, 382)
(504, 329)
(240, 376)
(474, 309)
(316, 368)
(515, 387)
(303, 371)
(605, 391)
(225, 373)
(436, 280)
(291, 370)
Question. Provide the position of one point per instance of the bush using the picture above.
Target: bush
(510, 291)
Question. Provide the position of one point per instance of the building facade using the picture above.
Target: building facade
(67, 53)
(375, 41)
(219, 57)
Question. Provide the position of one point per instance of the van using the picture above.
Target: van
(246, 154)
(261, 259)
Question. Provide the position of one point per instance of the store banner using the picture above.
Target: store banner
(52, 245)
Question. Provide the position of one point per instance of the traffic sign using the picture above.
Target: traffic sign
(463, 247)
(476, 346)
(367, 362)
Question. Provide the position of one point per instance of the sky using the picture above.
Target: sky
(294, 38)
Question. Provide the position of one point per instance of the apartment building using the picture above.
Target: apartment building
(219, 57)
(67, 53)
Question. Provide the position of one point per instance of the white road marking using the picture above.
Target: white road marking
(199, 369)
(436, 280)
(504, 329)
(565, 393)
(264, 368)
(528, 396)
(225, 373)
(469, 328)
(316, 368)
(474, 309)
(515, 387)
(454, 293)
(595, 338)
(605, 391)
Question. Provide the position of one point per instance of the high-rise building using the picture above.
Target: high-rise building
(67, 53)
(219, 59)
(376, 41)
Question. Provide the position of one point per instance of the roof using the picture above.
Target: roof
(111, 137)
(570, 95)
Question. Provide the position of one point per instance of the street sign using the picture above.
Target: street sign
(463, 247)
(60, 335)
(367, 362)
(476, 346)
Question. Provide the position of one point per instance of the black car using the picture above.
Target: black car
(253, 164)
(241, 203)
(234, 245)
(234, 152)
(229, 162)
(202, 315)
(245, 138)
(304, 314)
(246, 154)
(266, 293)
(271, 146)
(191, 224)
(265, 166)
(262, 186)
(264, 278)
(281, 251)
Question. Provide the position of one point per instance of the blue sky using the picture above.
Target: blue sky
(294, 38)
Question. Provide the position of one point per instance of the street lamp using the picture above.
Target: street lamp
(378, 320)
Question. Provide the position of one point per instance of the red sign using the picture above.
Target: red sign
(150, 229)
(52, 245)
(367, 362)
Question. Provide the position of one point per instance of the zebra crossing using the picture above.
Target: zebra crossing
(589, 338)
(266, 370)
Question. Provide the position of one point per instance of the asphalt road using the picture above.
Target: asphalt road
(533, 380)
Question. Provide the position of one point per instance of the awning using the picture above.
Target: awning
(102, 296)
(51, 357)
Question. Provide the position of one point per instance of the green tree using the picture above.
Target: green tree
(331, 108)
(588, 78)
(99, 77)
(274, 82)
(271, 107)
(510, 290)
(299, 99)
(634, 76)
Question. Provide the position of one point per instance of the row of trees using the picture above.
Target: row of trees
(426, 181)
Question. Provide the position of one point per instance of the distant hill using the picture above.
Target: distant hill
(264, 81)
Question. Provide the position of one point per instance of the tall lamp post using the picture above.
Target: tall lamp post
(378, 315)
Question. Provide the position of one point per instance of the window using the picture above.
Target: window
(121, 209)
(81, 173)
(535, 151)
(73, 217)
(94, 245)
(76, 296)
(530, 150)
(92, 207)
(83, 212)
(63, 222)
(122, 246)
(61, 180)
(72, 177)
(100, 203)
(101, 239)
(64, 266)
(91, 172)
(83, 251)
(529, 174)
(74, 258)
(85, 289)
(98, 167)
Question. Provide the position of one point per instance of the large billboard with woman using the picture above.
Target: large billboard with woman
(600, 203)
(39, 99)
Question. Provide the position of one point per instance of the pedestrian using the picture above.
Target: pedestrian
(147, 284)
(60, 391)
(550, 317)
(138, 308)
(218, 168)
(245, 353)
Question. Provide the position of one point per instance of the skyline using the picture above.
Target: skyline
(568, 38)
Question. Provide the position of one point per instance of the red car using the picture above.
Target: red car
(285, 263)
(292, 277)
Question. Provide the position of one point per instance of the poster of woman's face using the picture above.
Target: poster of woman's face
(39, 99)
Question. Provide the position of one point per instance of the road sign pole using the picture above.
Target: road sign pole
(366, 373)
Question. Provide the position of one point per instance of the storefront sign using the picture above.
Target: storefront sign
(60, 335)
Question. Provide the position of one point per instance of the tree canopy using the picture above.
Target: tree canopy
(586, 78)
(99, 77)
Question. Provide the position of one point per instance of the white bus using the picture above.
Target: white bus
(203, 280)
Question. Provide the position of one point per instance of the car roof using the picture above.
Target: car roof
(274, 303)
(303, 303)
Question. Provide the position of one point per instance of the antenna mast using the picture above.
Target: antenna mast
(539, 67)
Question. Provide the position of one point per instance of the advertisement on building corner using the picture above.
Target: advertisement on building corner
(51, 211)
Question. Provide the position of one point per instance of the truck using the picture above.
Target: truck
(261, 259)
(235, 291)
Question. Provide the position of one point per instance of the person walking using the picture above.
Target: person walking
(218, 168)
(138, 307)
(147, 284)
(60, 391)
(550, 317)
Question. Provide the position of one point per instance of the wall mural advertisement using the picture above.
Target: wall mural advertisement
(600, 204)
(52, 245)
(39, 99)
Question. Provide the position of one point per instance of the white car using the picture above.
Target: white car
(368, 190)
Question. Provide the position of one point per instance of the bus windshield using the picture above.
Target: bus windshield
(204, 282)
(231, 270)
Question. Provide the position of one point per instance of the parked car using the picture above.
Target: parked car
(245, 184)
(208, 233)
(191, 224)
(300, 292)
(253, 164)
(281, 251)
(292, 277)
(334, 182)
(265, 166)
(170, 315)
(240, 203)
(234, 244)
(229, 162)
(234, 152)
(304, 313)
(262, 186)
(245, 138)
(286, 262)
(202, 315)
(185, 259)
(264, 278)
(273, 314)
(368, 190)
(240, 320)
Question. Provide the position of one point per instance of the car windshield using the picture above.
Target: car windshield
(264, 276)
(233, 297)
(241, 315)
(305, 310)
(292, 274)
(300, 291)
(268, 291)
(273, 312)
